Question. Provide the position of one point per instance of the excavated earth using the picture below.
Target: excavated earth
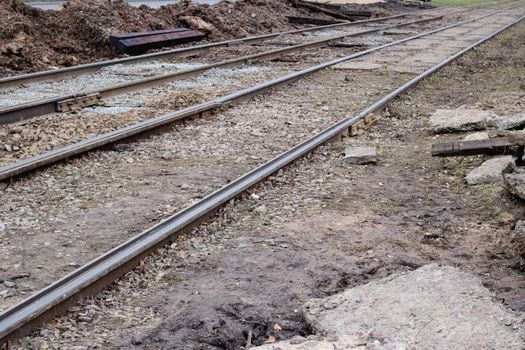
(314, 229)
(34, 40)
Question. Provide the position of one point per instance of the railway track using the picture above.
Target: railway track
(68, 72)
(82, 98)
(203, 109)
(65, 103)
(52, 300)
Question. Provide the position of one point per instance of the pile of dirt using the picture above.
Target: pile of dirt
(34, 40)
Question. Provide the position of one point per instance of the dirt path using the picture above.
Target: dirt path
(321, 225)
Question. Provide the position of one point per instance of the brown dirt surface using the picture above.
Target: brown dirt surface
(34, 40)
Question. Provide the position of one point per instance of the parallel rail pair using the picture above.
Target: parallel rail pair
(181, 52)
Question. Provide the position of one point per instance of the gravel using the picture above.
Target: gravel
(47, 133)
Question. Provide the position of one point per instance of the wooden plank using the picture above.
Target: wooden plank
(311, 20)
(498, 145)
(321, 9)
(140, 44)
(347, 45)
(115, 38)
(358, 13)
(342, 9)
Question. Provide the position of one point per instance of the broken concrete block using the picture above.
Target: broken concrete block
(481, 135)
(491, 171)
(515, 183)
(432, 307)
(360, 155)
(453, 120)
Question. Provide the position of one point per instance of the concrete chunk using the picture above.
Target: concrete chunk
(516, 183)
(482, 135)
(454, 120)
(491, 171)
(360, 155)
(363, 65)
(430, 308)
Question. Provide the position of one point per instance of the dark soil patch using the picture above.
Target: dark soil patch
(257, 284)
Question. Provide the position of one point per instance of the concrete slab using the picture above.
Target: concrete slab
(360, 155)
(432, 307)
(491, 171)
(407, 68)
(402, 68)
(391, 59)
(481, 135)
(435, 56)
(453, 120)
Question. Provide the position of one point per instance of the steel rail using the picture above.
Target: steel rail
(185, 51)
(30, 164)
(101, 271)
(28, 110)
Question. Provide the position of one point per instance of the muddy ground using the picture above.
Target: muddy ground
(322, 226)
(34, 40)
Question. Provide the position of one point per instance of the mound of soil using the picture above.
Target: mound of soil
(34, 40)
